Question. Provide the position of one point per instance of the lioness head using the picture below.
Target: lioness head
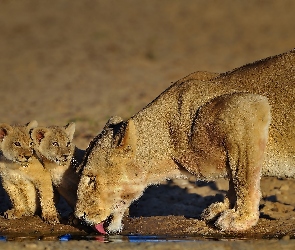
(104, 187)
(55, 142)
(16, 143)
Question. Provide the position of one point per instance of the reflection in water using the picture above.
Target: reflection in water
(100, 238)
(115, 238)
(2, 238)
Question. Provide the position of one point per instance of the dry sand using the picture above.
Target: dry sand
(85, 61)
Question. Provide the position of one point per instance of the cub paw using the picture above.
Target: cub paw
(214, 210)
(14, 214)
(231, 220)
(50, 219)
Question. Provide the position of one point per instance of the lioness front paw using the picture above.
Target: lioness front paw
(231, 220)
(214, 210)
(114, 227)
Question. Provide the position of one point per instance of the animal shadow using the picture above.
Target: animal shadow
(4, 200)
(168, 199)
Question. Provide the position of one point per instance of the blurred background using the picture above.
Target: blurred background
(85, 61)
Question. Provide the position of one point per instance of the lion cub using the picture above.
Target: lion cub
(60, 157)
(23, 176)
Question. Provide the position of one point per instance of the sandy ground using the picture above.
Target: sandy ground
(85, 61)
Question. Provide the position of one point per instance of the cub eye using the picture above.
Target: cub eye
(55, 144)
(68, 143)
(31, 144)
(17, 144)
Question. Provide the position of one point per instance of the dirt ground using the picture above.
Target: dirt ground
(174, 209)
(85, 61)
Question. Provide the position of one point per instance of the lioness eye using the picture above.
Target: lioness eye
(17, 144)
(55, 144)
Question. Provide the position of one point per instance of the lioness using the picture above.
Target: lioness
(211, 125)
(60, 157)
(23, 176)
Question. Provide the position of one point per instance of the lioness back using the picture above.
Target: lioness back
(181, 101)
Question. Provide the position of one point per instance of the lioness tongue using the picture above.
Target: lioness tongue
(99, 228)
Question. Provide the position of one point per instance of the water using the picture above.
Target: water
(103, 238)
(128, 242)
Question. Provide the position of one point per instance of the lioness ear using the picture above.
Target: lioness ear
(38, 134)
(5, 129)
(70, 130)
(114, 120)
(128, 142)
(31, 125)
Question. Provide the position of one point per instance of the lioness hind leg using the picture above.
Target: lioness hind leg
(246, 136)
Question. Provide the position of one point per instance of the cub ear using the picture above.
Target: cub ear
(5, 129)
(31, 125)
(38, 134)
(70, 130)
(128, 142)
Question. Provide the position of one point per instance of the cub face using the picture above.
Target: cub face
(55, 143)
(16, 143)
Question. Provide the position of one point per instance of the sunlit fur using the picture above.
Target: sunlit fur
(25, 180)
(238, 125)
(54, 147)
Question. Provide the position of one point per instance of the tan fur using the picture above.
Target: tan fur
(207, 124)
(60, 157)
(23, 176)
